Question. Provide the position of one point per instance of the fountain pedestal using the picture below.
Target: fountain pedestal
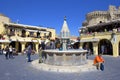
(65, 58)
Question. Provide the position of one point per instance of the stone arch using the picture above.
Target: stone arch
(76, 45)
(12, 44)
(19, 47)
(88, 45)
(105, 47)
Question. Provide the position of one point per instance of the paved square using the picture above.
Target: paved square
(20, 69)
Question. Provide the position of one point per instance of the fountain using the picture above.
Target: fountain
(64, 59)
(65, 56)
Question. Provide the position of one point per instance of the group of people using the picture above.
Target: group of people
(98, 60)
(8, 51)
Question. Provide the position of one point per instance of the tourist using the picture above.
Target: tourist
(52, 45)
(98, 62)
(40, 55)
(10, 52)
(7, 52)
(102, 49)
(29, 51)
(43, 48)
(88, 51)
(1, 51)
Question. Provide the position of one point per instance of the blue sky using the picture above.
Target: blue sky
(50, 13)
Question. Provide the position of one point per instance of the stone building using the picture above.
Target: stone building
(20, 35)
(100, 32)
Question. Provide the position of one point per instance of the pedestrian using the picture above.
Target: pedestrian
(29, 51)
(88, 51)
(98, 62)
(40, 55)
(1, 51)
(102, 49)
(10, 52)
(6, 52)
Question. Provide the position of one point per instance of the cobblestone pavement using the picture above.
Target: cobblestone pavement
(20, 69)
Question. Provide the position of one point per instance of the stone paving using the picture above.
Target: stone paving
(20, 69)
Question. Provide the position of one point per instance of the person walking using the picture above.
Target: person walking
(6, 52)
(40, 55)
(98, 62)
(10, 52)
(29, 51)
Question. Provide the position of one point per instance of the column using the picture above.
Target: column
(2, 46)
(95, 48)
(6, 44)
(36, 46)
(81, 44)
(23, 45)
(115, 49)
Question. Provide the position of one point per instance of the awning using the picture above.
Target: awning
(47, 32)
(90, 40)
(5, 41)
(27, 40)
(21, 40)
(31, 30)
(34, 40)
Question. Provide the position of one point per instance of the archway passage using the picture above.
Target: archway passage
(19, 47)
(105, 47)
(76, 45)
(12, 44)
(88, 46)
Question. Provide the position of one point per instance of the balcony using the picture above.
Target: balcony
(97, 35)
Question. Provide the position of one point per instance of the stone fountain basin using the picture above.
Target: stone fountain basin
(70, 57)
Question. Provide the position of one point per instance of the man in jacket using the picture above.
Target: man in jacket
(98, 61)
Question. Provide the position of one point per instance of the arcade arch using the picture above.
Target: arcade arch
(16, 45)
(105, 47)
(88, 46)
(76, 45)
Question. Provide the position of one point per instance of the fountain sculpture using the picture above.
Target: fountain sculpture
(65, 56)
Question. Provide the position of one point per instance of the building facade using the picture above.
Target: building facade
(20, 35)
(100, 32)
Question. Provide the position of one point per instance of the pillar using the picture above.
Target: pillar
(81, 44)
(95, 48)
(36, 46)
(6, 44)
(115, 49)
(2, 46)
(23, 45)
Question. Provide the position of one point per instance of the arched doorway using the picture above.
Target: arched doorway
(105, 47)
(19, 47)
(76, 45)
(12, 44)
(88, 45)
